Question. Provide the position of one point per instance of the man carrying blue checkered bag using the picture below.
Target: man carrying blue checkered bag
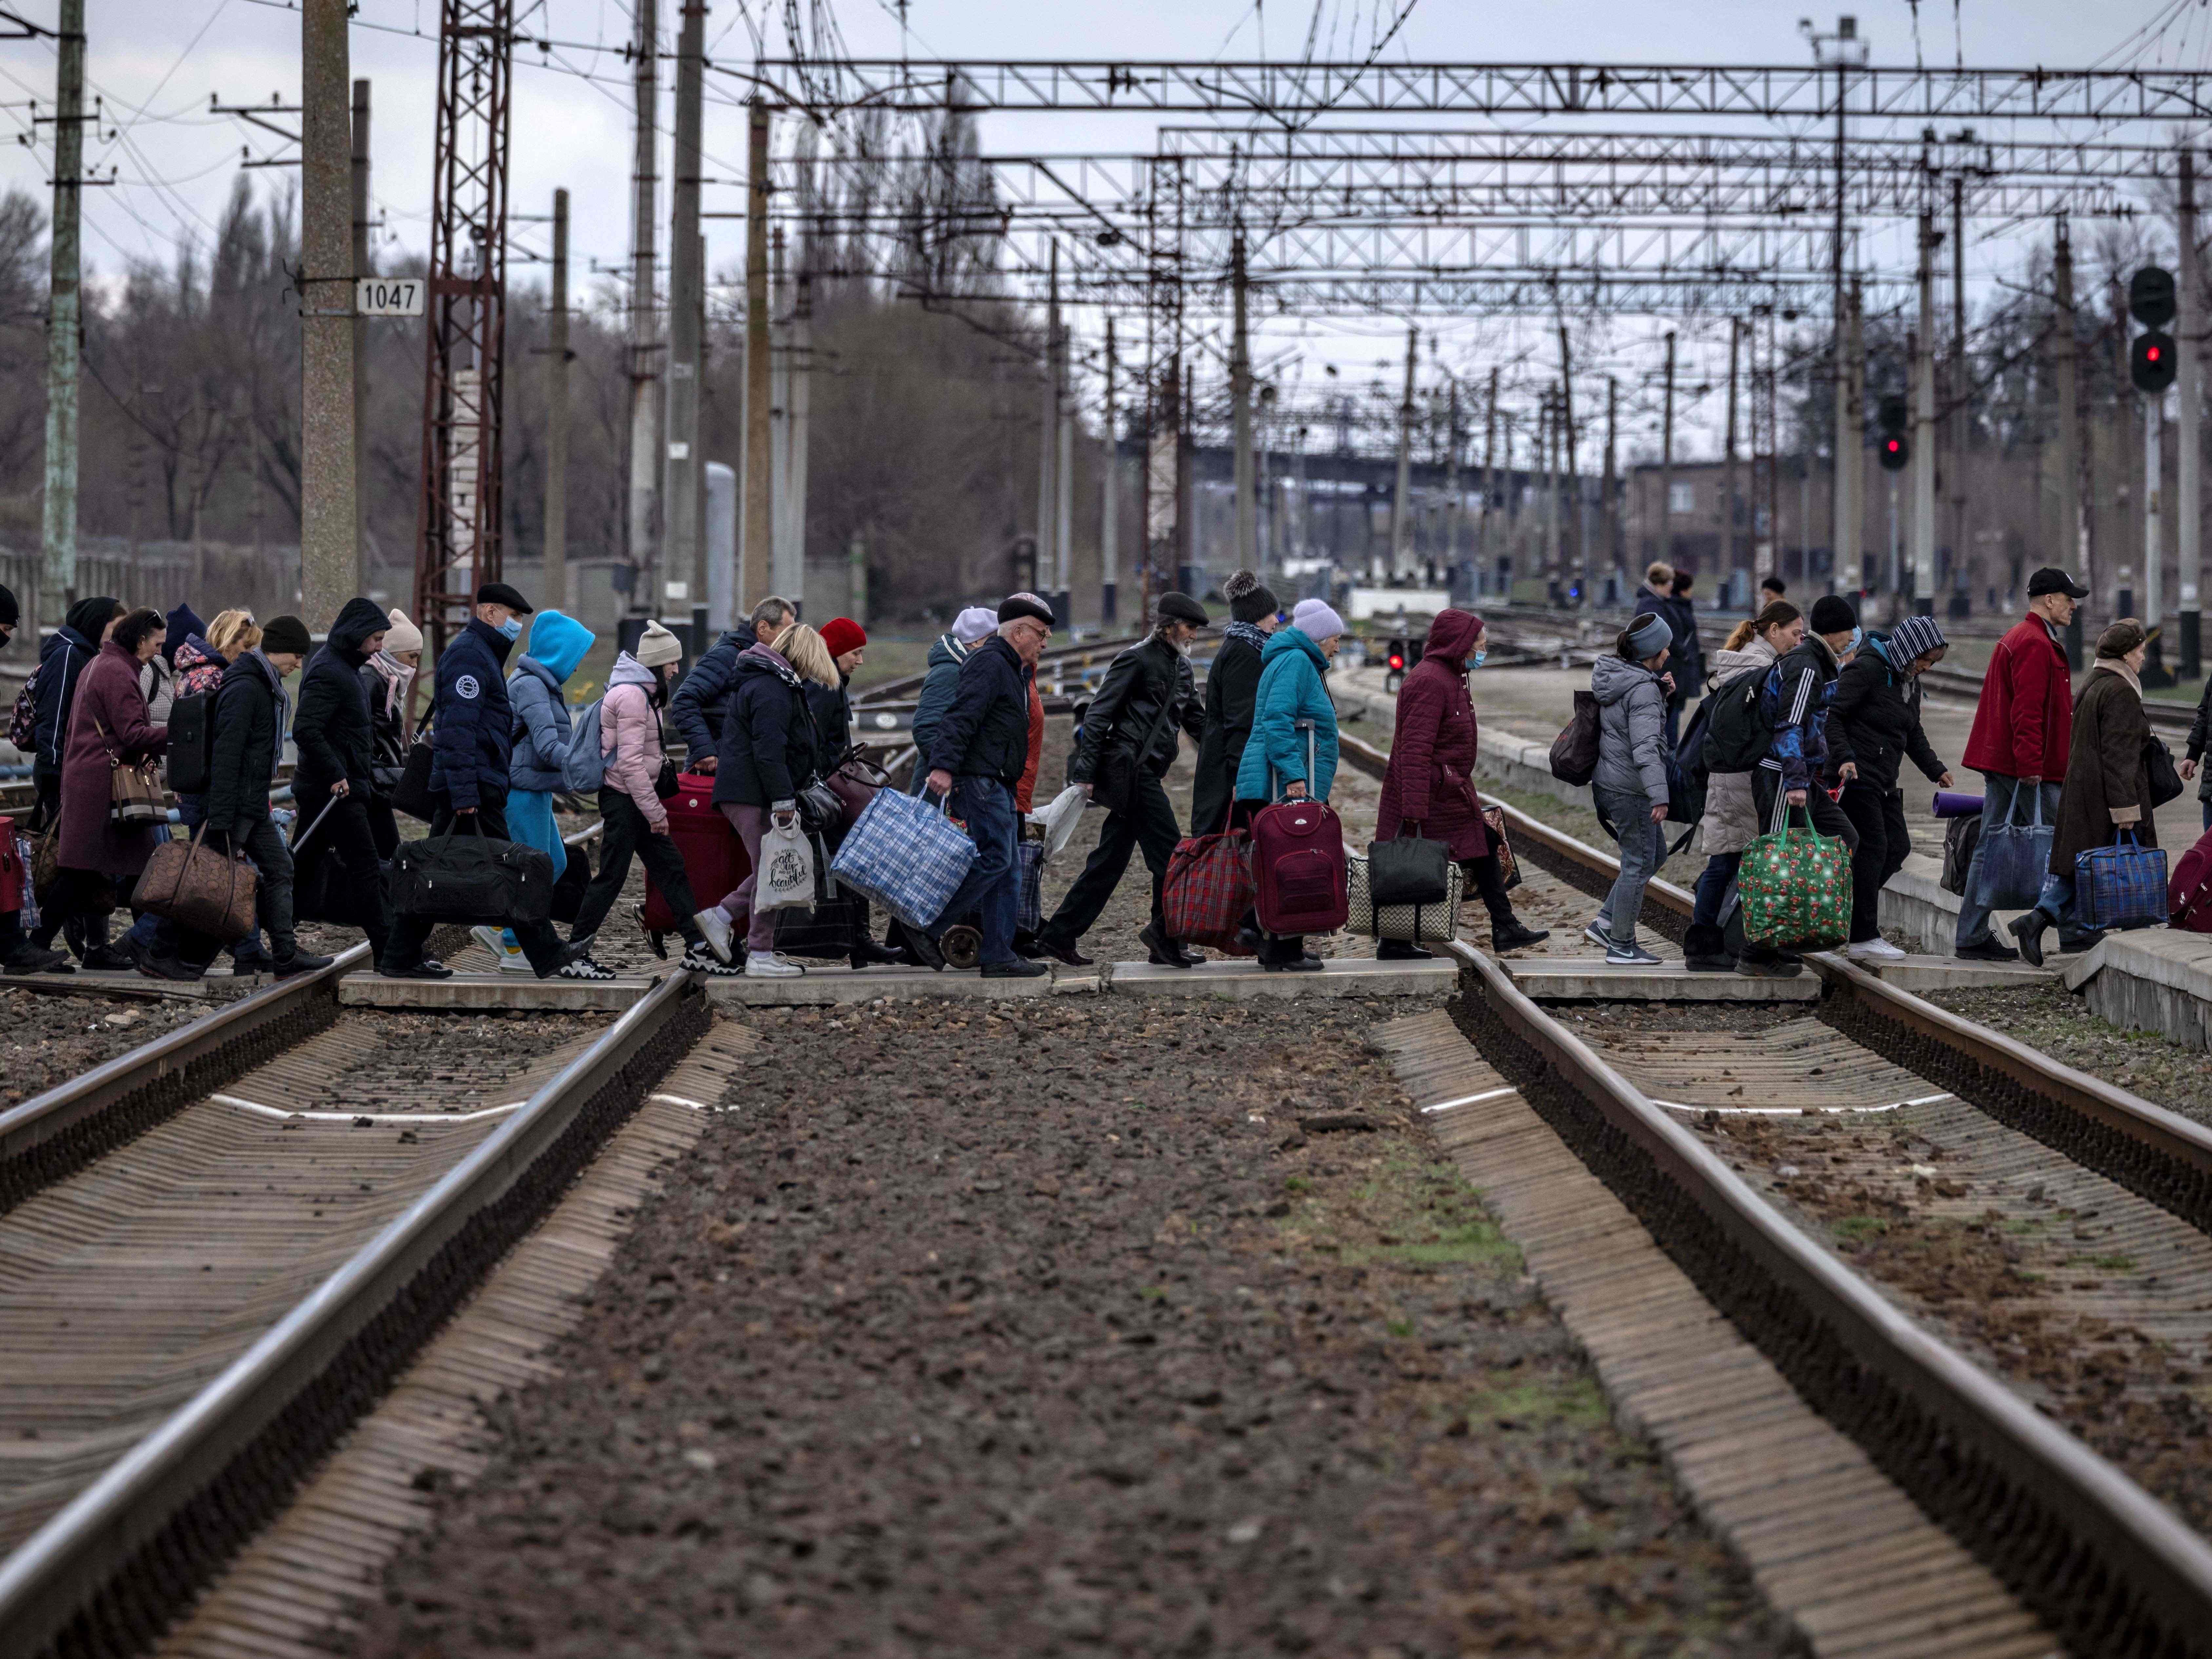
(2107, 802)
(977, 755)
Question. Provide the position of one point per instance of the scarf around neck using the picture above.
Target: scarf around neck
(2115, 666)
(1248, 632)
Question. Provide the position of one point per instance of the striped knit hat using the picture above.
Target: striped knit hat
(1916, 636)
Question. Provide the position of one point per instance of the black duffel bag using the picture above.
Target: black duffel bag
(1408, 871)
(471, 879)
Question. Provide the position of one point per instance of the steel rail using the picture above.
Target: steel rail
(53, 1134)
(103, 1576)
(2074, 1537)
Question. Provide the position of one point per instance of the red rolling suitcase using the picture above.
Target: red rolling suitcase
(1298, 870)
(713, 857)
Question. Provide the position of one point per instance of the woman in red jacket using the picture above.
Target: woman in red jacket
(1429, 788)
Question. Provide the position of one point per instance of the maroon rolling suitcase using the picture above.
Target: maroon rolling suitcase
(713, 857)
(1299, 871)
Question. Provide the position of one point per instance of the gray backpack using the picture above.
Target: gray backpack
(584, 769)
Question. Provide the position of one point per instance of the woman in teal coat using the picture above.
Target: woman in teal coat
(1292, 695)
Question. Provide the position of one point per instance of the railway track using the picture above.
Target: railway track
(220, 1248)
(1988, 1269)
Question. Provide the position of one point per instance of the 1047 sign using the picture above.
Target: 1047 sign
(387, 296)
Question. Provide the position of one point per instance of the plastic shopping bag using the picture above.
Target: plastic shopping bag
(1060, 816)
(784, 880)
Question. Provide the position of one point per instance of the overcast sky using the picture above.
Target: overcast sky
(157, 62)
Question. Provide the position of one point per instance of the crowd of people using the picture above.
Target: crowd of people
(1836, 713)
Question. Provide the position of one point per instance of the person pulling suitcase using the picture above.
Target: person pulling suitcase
(634, 820)
(1293, 740)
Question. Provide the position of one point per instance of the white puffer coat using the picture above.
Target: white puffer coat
(1731, 815)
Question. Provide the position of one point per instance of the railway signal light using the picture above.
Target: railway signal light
(2150, 363)
(1397, 658)
(2150, 296)
(1894, 448)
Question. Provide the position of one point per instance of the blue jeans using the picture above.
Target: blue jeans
(1643, 850)
(1713, 885)
(992, 883)
(2056, 897)
(1997, 793)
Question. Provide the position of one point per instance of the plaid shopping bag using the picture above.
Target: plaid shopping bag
(1795, 883)
(2120, 886)
(1208, 890)
(1029, 912)
(905, 855)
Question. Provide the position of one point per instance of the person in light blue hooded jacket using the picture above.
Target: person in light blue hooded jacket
(542, 729)
(1292, 701)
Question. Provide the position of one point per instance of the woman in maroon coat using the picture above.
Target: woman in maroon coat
(1429, 785)
(98, 857)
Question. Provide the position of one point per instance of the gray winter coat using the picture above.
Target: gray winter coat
(1731, 815)
(1631, 727)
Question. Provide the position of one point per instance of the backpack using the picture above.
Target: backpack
(191, 743)
(23, 724)
(1960, 839)
(583, 769)
(1733, 725)
(1574, 751)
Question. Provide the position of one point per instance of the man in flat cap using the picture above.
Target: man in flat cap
(1130, 738)
(471, 741)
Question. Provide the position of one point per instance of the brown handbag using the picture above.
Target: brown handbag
(133, 793)
(200, 889)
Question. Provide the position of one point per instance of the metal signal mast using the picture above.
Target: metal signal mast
(457, 543)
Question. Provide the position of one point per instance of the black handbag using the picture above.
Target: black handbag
(1408, 871)
(2165, 781)
(411, 794)
(191, 743)
(472, 879)
(829, 930)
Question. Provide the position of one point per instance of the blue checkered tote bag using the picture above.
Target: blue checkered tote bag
(2122, 885)
(906, 855)
(1029, 913)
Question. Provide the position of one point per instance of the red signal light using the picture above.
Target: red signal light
(1893, 445)
(2153, 354)
(1396, 661)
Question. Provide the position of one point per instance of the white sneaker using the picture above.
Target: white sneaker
(1874, 950)
(770, 964)
(508, 957)
(716, 927)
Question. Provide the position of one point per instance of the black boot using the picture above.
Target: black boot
(1704, 950)
(1399, 950)
(1161, 950)
(1512, 934)
(2028, 930)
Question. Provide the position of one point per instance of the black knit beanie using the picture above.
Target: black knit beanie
(1248, 600)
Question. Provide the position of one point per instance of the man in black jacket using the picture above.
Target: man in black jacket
(338, 875)
(1874, 724)
(1130, 738)
(976, 756)
(698, 705)
(249, 737)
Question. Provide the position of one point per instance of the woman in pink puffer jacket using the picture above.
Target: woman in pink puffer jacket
(636, 822)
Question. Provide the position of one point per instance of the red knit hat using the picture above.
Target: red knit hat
(842, 634)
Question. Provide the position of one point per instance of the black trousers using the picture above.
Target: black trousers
(1826, 816)
(348, 836)
(1483, 873)
(383, 827)
(1150, 824)
(83, 931)
(626, 834)
(540, 944)
(76, 908)
(1879, 817)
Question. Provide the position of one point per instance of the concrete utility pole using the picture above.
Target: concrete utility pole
(1048, 513)
(1454, 497)
(1550, 486)
(1110, 507)
(759, 530)
(685, 566)
(1484, 569)
(1580, 550)
(1849, 479)
(1729, 503)
(2187, 336)
(557, 415)
(64, 318)
(1609, 515)
(799, 334)
(1923, 428)
(645, 461)
(363, 265)
(1961, 564)
(1063, 491)
(1240, 398)
(778, 417)
(1401, 538)
(2068, 552)
(1667, 461)
(329, 555)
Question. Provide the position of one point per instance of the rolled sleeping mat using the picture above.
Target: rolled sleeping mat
(1951, 803)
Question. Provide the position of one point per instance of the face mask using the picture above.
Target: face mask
(512, 627)
(1858, 638)
(1478, 656)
